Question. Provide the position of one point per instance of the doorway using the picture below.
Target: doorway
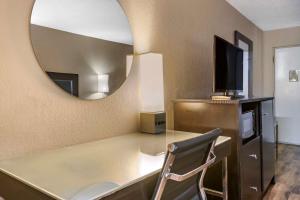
(287, 94)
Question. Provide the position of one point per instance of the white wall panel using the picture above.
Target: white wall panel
(287, 95)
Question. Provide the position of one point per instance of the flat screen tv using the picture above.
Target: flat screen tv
(228, 67)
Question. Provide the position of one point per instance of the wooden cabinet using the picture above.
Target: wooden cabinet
(246, 164)
(251, 170)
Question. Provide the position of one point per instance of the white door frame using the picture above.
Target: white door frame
(274, 67)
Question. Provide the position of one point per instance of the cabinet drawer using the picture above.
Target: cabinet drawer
(251, 170)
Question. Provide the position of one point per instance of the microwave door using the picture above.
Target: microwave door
(247, 121)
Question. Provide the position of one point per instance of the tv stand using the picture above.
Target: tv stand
(238, 97)
(226, 96)
(233, 94)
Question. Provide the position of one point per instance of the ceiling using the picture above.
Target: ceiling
(270, 14)
(103, 19)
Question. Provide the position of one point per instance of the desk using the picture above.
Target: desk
(93, 170)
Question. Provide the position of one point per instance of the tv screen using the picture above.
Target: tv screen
(228, 66)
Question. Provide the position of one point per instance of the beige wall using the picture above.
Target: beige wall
(59, 51)
(272, 40)
(183, 31)
(35, 115)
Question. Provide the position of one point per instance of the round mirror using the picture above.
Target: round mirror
(85, 47)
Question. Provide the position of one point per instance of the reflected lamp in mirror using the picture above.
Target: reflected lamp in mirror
(293, 76)
(103, 83)
(151, 82)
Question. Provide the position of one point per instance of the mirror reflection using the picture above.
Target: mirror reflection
(85, 47)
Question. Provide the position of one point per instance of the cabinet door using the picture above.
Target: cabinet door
(251, 170)
(268, 143)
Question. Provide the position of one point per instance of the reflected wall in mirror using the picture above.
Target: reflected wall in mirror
(83, 46)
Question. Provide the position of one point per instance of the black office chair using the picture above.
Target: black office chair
(184, 168)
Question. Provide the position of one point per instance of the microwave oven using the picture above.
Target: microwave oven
(247, 130)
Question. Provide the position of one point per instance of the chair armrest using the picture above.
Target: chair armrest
(179, 178)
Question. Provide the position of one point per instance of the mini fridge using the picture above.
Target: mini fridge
(268, 144)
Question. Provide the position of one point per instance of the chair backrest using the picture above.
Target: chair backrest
(184, 168)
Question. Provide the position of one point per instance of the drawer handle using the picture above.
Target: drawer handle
(254, 188)
(266, 114)
(253, 156)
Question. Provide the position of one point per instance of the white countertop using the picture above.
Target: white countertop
(96, 169)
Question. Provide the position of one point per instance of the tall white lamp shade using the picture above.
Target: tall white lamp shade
(151, 82)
